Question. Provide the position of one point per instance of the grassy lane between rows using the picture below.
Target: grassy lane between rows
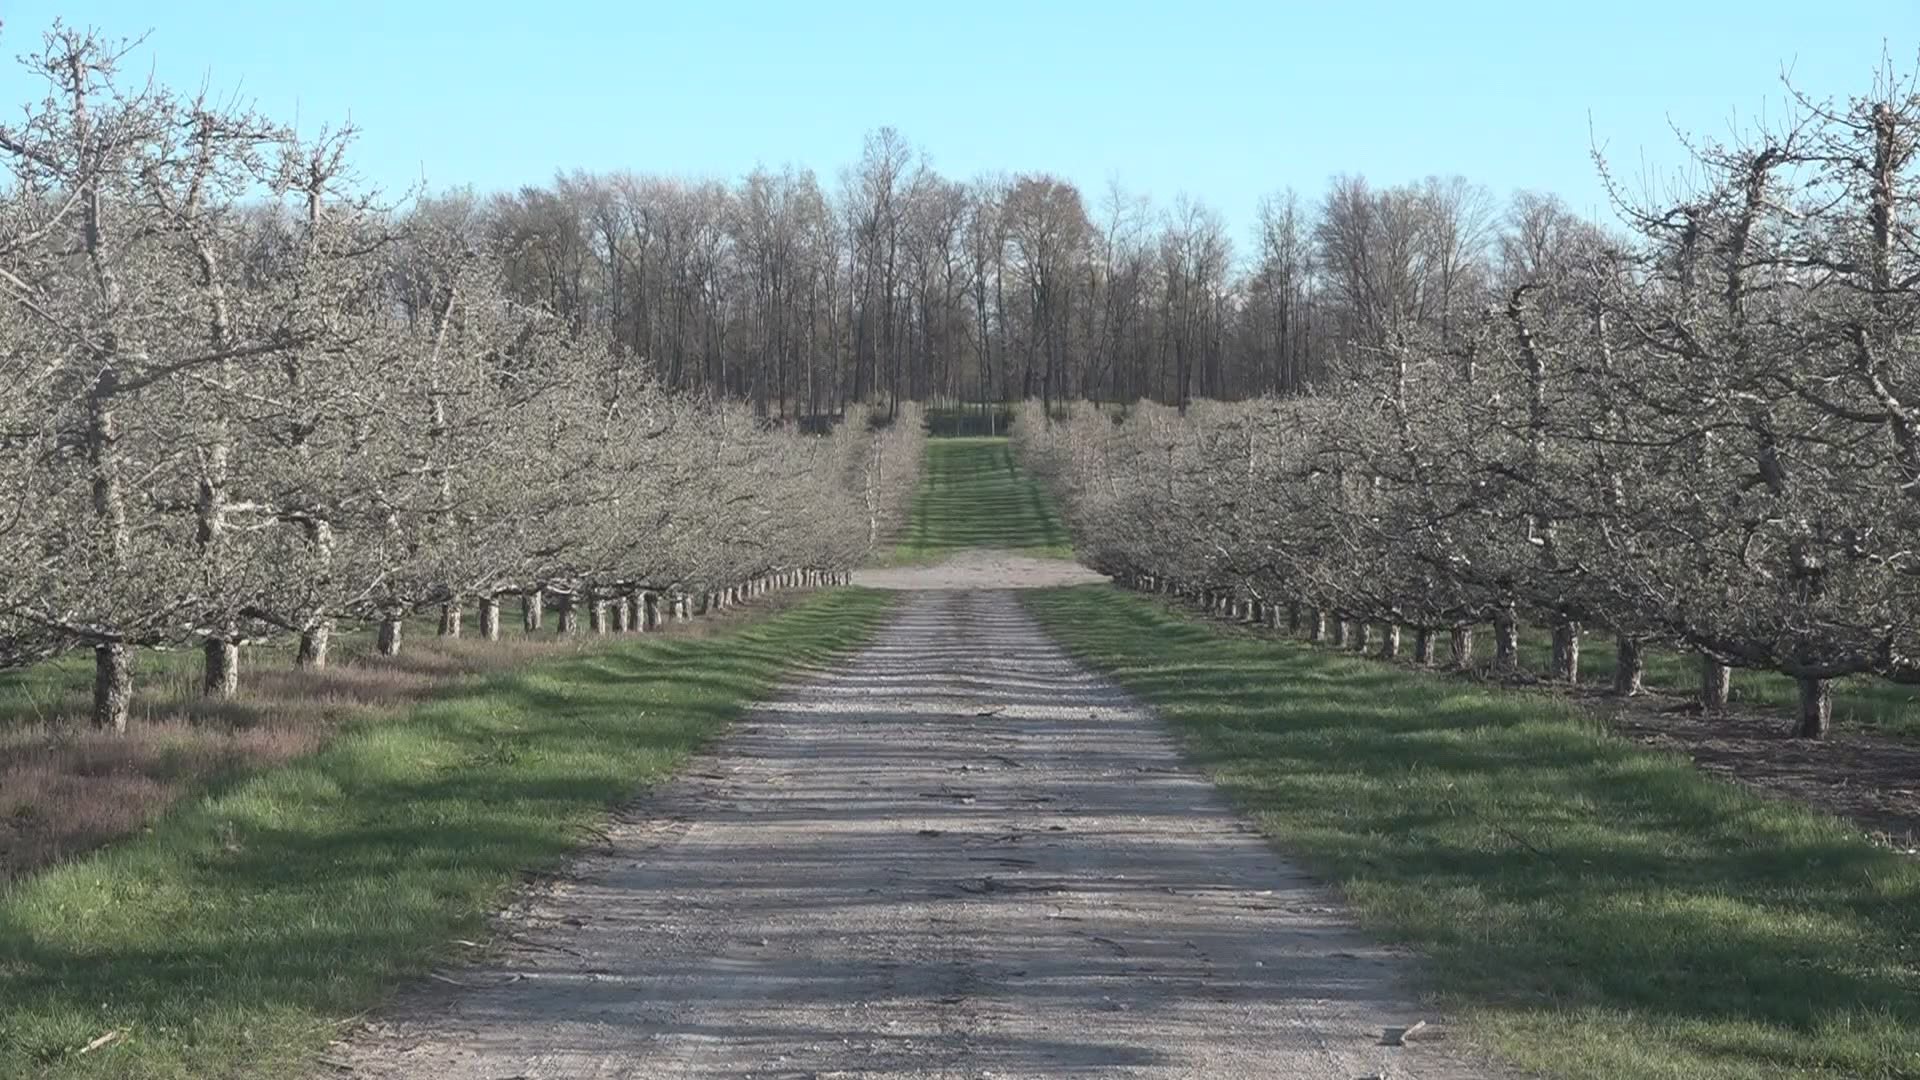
(234, 937)
(1590, 908)
(972, 495)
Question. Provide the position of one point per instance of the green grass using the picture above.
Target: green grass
(1590, 908)
(1864, 702)
(234, 937)
(973, 495)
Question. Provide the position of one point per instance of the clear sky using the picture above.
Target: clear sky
(1222, 100)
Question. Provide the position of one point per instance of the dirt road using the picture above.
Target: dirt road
(959, 856)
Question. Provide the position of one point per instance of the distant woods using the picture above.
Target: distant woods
(892, 282)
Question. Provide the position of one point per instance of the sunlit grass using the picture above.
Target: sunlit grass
(1590, 908)
(235, 937)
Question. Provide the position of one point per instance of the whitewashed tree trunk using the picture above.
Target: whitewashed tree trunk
(1566, 651)
(389, 639)
(1629, 666)
(1506, 639)
(1460, 642)
(221, 668)
(316, 643)
(1423, 646)
(1390, 641)
(112, 686)
(1816, 708)
(1716, 683)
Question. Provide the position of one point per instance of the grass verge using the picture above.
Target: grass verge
(1590, 908)
(973, 495)
(233, 938)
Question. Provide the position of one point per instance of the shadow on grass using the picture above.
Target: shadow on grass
(1591, 907)
(235, 937)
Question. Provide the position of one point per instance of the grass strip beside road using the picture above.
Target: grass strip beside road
(234, 937)
(1590, 908)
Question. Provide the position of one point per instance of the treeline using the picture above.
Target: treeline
(896, 282)
(244, 400)
(1705, 434)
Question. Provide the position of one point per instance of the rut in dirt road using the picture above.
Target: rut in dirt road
(960, 855)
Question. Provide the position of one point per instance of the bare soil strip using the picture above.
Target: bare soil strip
(961, 855)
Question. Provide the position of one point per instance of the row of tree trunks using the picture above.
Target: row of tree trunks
(637, 612)
(1320, 626)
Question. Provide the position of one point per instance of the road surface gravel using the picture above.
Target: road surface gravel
(959, 855)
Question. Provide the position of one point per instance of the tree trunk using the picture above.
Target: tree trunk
(569, 620)
(112, 687)
(619, 609)
(450, 619)
(221, 674)
(1340, 628)
(1460, 642)
(1506, 640)
(389, 642)
(1317, 629)
(1716, 683)
(1816, 708)
(315, 642)
(490, 618)
(1423, 646)
(1293, 618)
(1362, 636)
(649, 611)
(1390, 641)
(1566, 651)
(1629, 666)
(533, 609)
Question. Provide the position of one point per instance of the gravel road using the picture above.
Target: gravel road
(960, 855)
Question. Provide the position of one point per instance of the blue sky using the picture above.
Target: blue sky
(1221, 100)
